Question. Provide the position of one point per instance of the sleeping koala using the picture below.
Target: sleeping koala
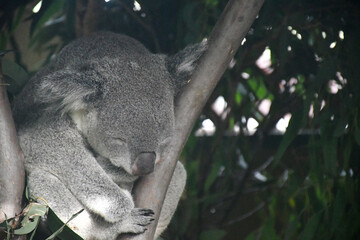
(93, 121)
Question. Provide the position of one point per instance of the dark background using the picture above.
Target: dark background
(243, 182)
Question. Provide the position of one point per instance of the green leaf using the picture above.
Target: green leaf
(192, 170)
(27, 193)
(48, 10)
(212, 3)
(340, 127)
(297, 120)
(44, 35)
(291, 228)
(310, 227)
(339, 209)
(251, 236)
(3, 225)
(357, 135)
(327, 70)
(316, 167)
(18, 18)
(60, 229)
(347, 151)
(212, 234)
(31, 219)
(33, 234)
(17, 74)
(283, 45)
(258, 86)
(214, 173)
(231, 123)
(268, 231)
(330, 155)
(8, 228)
(28, 226)
(238, 98)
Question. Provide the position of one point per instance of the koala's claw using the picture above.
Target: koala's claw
(147, 212)
(142, 211)
(141, 217)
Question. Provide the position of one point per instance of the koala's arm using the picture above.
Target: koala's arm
(93, 188)
(55, 146)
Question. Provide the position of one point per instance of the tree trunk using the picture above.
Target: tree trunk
(88, 16)
(12, 173)
(224, 41)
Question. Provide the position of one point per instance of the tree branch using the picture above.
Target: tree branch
(12, 173)
(88, 16)
(224, 40)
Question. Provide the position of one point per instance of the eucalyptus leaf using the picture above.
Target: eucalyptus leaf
(297, 121)
(283, 45)
(340, 127)
(326, 71)
(348, 146)
(28, 226)
(18, 18)
(60, 229)
(216, 234)
(31, 219)
(48, 10)
(291, 228)
(8, 228)
(330, 155)
(251, 236)
(357, 135)
(15, 72)
(339, 209)
(268, 231)
(310, 228)
(214, 173)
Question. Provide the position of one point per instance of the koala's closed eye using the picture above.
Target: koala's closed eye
(119, 140)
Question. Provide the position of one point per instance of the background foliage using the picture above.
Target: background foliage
(245, 182)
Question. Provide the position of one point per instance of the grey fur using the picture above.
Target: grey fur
(88, 120)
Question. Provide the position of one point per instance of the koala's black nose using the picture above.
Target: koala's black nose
(144, 164)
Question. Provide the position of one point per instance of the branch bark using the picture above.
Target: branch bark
(12, 172)
(88, 16)
(224, 40)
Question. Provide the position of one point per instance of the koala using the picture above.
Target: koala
(93, 121)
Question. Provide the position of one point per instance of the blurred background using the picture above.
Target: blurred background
(275, 153)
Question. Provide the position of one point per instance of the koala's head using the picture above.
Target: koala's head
(121, 97)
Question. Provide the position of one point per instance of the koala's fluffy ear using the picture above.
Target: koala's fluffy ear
(67, 90)
(182, 64)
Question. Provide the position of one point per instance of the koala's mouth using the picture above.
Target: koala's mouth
(144, 164)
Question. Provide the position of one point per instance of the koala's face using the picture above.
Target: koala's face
(133, 122)
(125, 95)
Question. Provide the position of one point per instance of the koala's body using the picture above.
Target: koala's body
(93, 121)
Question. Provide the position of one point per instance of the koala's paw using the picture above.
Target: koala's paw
(139, 219)
(108, 208)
